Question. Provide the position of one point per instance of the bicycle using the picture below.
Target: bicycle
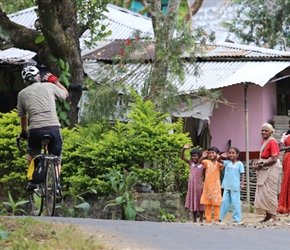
(43, 197)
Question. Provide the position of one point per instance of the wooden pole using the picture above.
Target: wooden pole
(247, 144)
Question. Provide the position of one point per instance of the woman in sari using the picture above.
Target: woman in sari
(268, 169)
(284, 198)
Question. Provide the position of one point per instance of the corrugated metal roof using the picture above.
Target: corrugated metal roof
(213, 75)
(14, 56)
(108, 52)
(247, 51)
(25, 17)
(223, 50)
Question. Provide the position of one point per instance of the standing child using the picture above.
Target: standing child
(234, 169)
(195, 186)
(211, 195)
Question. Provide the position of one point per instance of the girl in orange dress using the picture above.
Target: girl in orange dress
(211, 195)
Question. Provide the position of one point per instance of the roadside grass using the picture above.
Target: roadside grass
(28, 233)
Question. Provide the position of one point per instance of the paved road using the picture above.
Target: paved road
(154, 235)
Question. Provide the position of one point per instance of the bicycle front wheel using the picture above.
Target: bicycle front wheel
(36, 200)
(50, 189)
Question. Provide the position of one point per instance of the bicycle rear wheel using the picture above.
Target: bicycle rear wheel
(36, 200)
(50, 188)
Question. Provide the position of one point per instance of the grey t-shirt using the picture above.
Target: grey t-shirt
(38, 102)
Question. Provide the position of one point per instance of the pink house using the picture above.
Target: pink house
(244, 74)
(227, 123)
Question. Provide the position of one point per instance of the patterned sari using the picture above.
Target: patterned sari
(284, 198)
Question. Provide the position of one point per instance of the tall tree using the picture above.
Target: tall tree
(60, 25)
(154, 69)
(263, 22)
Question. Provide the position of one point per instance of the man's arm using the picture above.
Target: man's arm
(58, 84)
(24, 123)
(53, 79)
(24, 128)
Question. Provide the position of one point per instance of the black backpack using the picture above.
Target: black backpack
(36, 171)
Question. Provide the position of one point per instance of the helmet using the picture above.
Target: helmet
(30, 73)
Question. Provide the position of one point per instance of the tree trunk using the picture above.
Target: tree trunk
(193, 9)
(58, 24)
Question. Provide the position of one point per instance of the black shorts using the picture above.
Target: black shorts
(34, 141)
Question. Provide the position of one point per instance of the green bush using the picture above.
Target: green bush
(12, 161)
(89, 152)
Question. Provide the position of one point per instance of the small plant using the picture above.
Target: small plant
(252, 209)
(14, 205)
(182, 220)
(77, 209)
(4, 234)
(3, 210)
(167, 217)
(37, 200)
(123, 185)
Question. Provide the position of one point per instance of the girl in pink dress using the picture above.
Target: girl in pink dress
(195, 185)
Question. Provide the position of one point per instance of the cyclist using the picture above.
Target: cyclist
(36, 107)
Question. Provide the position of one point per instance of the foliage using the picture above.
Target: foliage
(91, 151)
(145, 145)
(78, 209)
(167, 217)
(63, 106)
(13, 165)
(123, 185)
(3, 209)
(215, 96)
(263, 22)
(14, 206)
(37, 202)
(4, 234)
(10, 6)
(90, 15)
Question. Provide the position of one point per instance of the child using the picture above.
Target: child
(211, 195)
(231, 184)
(194, 183)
